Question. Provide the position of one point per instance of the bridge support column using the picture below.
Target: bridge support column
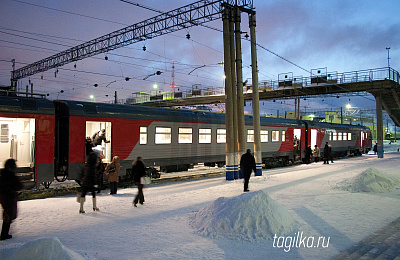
(379, 124)
(239, 84)
(230, 154)
(256, 97)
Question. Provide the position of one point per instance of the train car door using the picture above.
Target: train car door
(297, 143)
(314, 133)
(93, 127)
(17, 141)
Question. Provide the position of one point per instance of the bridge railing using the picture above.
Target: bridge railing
(324, 78)
(339, 78)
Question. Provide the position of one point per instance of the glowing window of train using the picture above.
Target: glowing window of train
(283, 136)
(143, 135)
(264, 136)
(275, 136)
(4, 134)
(204, 136)
(349, 136)
(330, 136)
(339, 136)
(163, 135)
(334, 137)
(344, 136)
(221, 136)
(250, 136)
(185, 135)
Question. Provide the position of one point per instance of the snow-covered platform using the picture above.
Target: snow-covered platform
(383, 244)
(163, 227)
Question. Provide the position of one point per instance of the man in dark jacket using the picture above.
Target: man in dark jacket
(9, 187)
(99, 137)
(326, 153)
(247, 164)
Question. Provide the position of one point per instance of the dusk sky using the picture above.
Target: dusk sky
(338, 35)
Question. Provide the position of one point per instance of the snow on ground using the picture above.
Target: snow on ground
(248, 216)
(370, 180)
(328, 220)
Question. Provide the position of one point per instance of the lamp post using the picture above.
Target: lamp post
(388, 58)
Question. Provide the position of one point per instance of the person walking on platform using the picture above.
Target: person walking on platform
(88, 181)
(138, 171)
(330, 153)
(100, 172)
(9, 187)
(326, 153)
(112, 171)
(316, 153)
(247, 164)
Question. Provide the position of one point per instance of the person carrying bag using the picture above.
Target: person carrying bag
(139, 176)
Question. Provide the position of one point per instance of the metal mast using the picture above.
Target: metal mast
(190, 15)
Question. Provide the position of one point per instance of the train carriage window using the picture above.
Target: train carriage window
(250, 136)
(143, 135)
(221, 136)
(334, 136)
(344, 136)
(185, 136)
(283, 136)
(349, 136)
(275, 136)
(339, 136)
(264, 136)
(330, 136)
(163, 135)
(205, 136)
(4, 134)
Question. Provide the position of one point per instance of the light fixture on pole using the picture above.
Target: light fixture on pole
(388, 58)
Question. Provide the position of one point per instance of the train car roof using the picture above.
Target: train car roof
(316, 124)
(26, 105)
(91, 109)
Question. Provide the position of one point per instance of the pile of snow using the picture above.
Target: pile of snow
(370, 180)
(249, 216)
(46, 248)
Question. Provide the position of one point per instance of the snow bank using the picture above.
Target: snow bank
(370, 180)
(46, 248)
(250, 216)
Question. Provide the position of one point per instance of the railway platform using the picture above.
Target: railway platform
(383, 244)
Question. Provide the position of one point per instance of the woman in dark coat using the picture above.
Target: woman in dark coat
(138, 171)
(9, 187)
(89, 181)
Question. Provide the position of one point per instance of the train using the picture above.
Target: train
(47, 138)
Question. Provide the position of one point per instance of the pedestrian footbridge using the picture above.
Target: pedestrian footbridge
(383, 83)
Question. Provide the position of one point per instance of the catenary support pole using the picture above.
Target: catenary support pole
(239, 85)
(256, 98)
(228, 97)
(379, 124)
(234, 92)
